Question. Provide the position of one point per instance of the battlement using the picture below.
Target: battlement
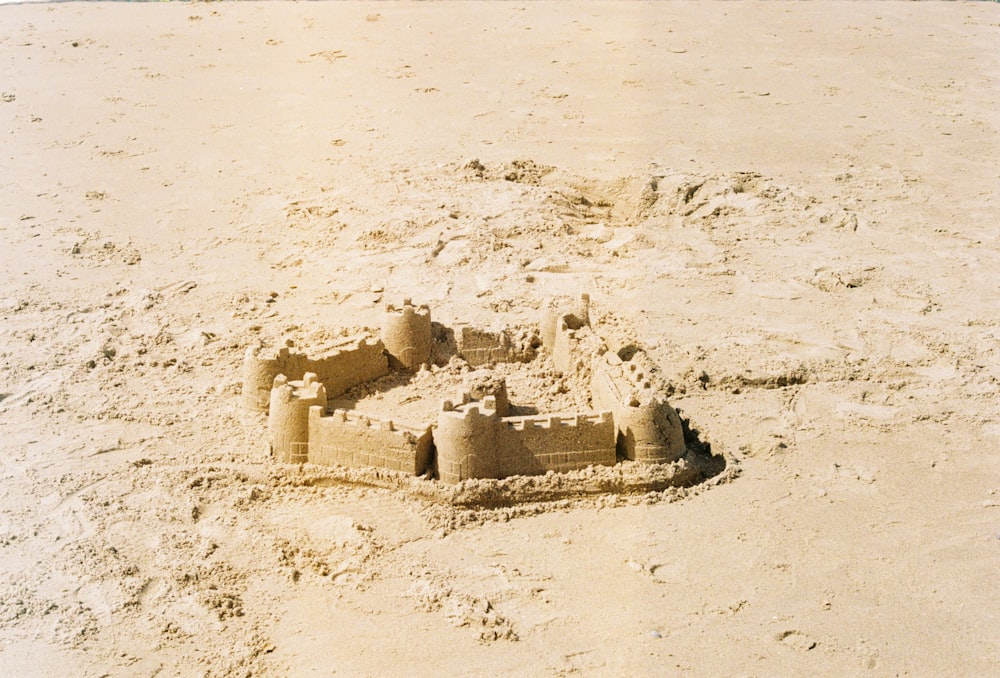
(357, 440)
(551, 421)
(308, 388)
(408, 308)
(338, 370)
(469, 412)
(640, 371)
(349, 418)
(555, 442)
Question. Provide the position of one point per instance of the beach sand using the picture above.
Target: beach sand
(791, 207)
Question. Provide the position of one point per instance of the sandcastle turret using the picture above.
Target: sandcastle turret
(406, 333)
(650, 431)
(254, 377)
(260, 367)
(551, 319)
(560, 329)
(467, 440)
(288, 418)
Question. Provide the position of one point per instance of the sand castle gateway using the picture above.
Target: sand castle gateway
(471, 438)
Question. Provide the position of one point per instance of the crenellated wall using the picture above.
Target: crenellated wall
(535, 445)
(356, 440)
(338, 371)
(479, 347)
(473, 442)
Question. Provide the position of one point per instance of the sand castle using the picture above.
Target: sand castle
(470, 438)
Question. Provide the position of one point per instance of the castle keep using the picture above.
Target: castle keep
(470, 437)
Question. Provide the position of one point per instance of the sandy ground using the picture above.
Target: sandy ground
(792, 207)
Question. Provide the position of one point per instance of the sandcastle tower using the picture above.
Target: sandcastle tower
(467, 439)
(406, 333)
(559, 328)
(650, 431)
(260, 367)
(288, 420)
(551, 319)
(254, 378)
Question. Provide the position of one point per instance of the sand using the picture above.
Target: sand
(791, 207)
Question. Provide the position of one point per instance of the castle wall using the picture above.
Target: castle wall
(535, 445)
(472, 442)
(564, 346)
(347, 368)
(548, 323)
(607, 389)
(558, 328)
(354, 440)
(479, 347)
(337, 371)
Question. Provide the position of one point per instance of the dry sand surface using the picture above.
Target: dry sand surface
(791, 207)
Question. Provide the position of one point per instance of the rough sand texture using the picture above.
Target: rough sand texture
(791, 207)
